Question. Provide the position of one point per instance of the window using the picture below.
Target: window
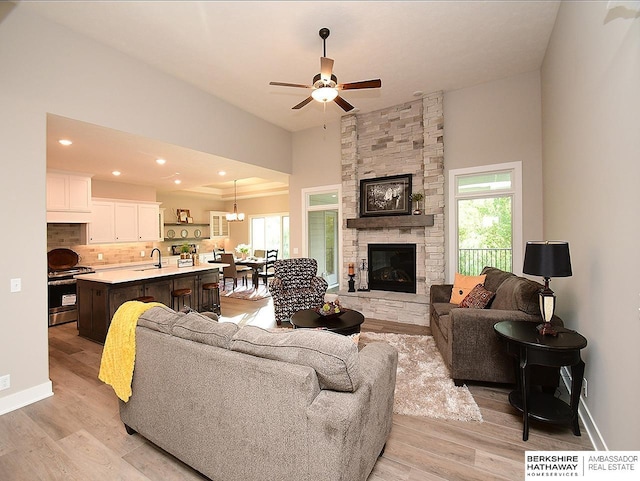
(485, 209)
(271, 231)
(322, 230)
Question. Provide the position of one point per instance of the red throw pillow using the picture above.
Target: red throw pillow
(478, 298)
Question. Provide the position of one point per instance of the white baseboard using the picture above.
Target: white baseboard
(585, 415)
(26, 397)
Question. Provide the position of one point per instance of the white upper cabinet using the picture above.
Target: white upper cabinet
(149, 222)
(102, 228)
(116, 221)
(68, 197)
(126, 222)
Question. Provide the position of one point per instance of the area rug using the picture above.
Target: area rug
(423, 385)
(247, 293)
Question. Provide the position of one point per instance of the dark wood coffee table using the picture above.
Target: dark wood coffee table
(346, 324)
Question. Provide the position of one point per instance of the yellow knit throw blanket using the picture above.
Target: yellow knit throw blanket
(119, 353)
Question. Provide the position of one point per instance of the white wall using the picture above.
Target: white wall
(48, 69)
(591, 132)
(495, 123)
(316, 158)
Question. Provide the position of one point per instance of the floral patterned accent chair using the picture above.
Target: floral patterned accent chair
(296, 286)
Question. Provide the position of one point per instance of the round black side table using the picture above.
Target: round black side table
(529, 347)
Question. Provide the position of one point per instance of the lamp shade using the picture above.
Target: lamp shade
(547, 259)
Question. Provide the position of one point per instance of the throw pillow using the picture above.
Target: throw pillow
(462, 286)
(334, 357)
(478, 298)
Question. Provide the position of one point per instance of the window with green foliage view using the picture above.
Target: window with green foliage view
(484, 220)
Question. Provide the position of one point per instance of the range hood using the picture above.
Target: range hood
(54, 217)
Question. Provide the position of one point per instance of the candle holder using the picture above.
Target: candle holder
(352, 283)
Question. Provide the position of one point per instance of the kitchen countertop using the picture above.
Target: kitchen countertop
(145, 272)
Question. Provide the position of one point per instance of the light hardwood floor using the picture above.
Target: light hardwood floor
(77, 434)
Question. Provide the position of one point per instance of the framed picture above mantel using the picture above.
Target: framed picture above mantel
(384, 196)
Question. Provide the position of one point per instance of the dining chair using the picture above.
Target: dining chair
(271, 256)
(259, 253)
(233, 271)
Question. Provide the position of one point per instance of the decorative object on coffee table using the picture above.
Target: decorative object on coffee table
(547, 259)
(331, 309)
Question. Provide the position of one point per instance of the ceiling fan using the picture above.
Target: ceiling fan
(325, 84)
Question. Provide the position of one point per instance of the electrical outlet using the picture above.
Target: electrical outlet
(99, 257)
(16, 285)
(141, 253)
(5, 382)
(584, 387)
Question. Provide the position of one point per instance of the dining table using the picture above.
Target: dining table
(256, 264)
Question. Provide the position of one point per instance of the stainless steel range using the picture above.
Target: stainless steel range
(63, 267)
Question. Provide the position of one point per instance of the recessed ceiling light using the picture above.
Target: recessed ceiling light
(418, 93)
(116, 173)
(65, 142)
(160, 161)
(222, 172)
(177, 181)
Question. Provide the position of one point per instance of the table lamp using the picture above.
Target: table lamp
(547, 259)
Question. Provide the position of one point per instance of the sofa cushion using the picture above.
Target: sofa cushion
(334, 357)
(159, 318)
(462, 285)
(478, 298)
(495, 277)
(518, 293)
(206, 330)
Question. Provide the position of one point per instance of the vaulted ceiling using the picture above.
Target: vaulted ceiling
(234, 49)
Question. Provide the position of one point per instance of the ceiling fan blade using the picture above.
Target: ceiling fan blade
(303, 103)
(326, 68)
(346, 106)
(364, 84)
(285, 84)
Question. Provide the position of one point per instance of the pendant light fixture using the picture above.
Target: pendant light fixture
(235, 216)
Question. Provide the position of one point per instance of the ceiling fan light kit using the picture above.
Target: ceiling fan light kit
(325, 84)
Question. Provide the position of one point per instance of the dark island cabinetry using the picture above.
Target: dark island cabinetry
(98, 301)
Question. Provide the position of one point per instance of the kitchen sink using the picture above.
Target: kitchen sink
(147, 269)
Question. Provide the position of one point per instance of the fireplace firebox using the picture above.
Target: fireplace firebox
(392, 267)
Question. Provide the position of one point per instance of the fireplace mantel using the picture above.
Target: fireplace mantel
(391, 221)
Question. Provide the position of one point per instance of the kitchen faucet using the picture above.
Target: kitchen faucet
(159, 264)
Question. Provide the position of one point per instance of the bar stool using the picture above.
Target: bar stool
(145, 299)
(180, 295)
(212, 291)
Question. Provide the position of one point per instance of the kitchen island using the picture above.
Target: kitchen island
(99, 294)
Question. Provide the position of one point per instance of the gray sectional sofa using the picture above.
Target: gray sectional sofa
(466, 339)
(248, 404)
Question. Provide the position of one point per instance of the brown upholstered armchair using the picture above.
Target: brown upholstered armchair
(295, 286)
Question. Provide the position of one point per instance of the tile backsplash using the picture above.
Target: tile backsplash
(70, 236)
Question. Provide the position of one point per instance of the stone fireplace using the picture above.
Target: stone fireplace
(403, 139)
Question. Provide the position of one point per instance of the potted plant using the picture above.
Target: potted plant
(243, 250)
(185, 250)
(417, 197)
